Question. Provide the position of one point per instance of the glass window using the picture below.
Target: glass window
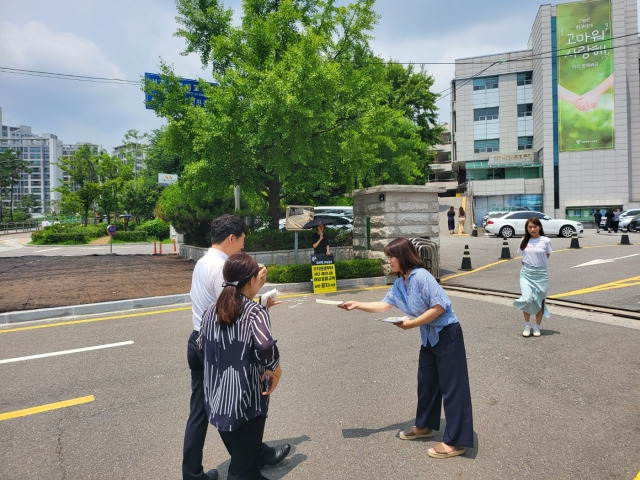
(524, 78)
(525, 143)
(525, 109)
(485, 83)
(480, 114)
(491, 145)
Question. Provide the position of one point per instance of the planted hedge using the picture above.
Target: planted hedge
(297, 273)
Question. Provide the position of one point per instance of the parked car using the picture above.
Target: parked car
(634, 224)
(489, 215)
(513, 224)
(626, 216)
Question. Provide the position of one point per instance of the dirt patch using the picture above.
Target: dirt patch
(31, 282)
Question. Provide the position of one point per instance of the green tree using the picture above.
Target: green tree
(82, 188)
(300, 108)
(12, 167)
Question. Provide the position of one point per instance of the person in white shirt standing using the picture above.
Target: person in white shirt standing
(227, 238)
(534, 281)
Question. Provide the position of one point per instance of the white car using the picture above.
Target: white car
(513, 224)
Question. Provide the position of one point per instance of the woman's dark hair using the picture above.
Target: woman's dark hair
(405, 252)
(527, 235)
(461, 211)
(237, 271)
(451, 209)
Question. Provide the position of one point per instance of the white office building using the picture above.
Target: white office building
(555, 127)
(42, 152)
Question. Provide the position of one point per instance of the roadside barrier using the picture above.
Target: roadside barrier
(574, 241)
(466, 259)
(506, 253)
(430, 254)
(175, 249)
(160, 247)
(155, 252)
(624, 240)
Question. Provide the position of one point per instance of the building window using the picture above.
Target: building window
(480, 114)
(525, 109)
(482, 146)
(485, 83)
(524, 78)
(525, 143)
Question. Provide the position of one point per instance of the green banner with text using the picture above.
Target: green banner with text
(585, 76)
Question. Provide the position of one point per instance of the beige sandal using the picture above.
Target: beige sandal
(432, 452)
(411, 434)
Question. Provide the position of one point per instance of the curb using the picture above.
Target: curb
(149, 302)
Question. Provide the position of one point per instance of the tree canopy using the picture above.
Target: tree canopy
(302, 111)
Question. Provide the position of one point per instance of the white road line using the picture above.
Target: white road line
(47, 250)
(66, 352)
(599, 261)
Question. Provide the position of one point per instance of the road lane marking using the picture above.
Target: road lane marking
(624, 283)
(46, 408)
(444, 279)
(90, 320)
(599, 261)
(66, 352)
(47, 250)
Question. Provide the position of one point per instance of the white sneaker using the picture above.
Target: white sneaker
(527, 331)
(536, 332)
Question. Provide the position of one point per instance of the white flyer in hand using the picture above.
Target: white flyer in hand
(271, 294)
(329, 302)
(394, 319)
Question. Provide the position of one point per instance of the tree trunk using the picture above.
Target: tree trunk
(273, 198)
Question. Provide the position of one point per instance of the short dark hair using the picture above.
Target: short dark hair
(226, 225)
(405, 252)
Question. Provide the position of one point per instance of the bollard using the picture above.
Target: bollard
(474, 233)
(174, 246)
(506, 253)
(160, 242)
(574, 241)
(624, 240)
(154, 248)
(466, 259)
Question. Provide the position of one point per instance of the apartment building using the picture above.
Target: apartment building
(554, 127)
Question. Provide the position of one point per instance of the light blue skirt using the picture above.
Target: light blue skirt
(534, 283)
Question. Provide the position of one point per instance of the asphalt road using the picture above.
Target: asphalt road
(562, 406)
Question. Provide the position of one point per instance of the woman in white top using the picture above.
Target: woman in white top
(535, 249)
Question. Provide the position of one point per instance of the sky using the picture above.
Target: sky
(123, 39)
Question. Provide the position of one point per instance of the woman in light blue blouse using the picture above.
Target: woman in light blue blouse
(442, 364)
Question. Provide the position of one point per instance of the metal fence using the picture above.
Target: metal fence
(17, 227)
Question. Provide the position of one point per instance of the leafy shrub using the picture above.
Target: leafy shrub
(297, 273)
(55, 238)
(157, 229)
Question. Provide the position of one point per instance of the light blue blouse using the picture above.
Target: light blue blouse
(420, 293)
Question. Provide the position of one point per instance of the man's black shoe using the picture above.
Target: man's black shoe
(211, 474)
(276, 455)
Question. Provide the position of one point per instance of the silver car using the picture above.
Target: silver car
(513, 224)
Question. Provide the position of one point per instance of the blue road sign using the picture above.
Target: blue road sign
(111, 229)
(194, 92)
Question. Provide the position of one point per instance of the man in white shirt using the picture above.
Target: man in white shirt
(227, 238)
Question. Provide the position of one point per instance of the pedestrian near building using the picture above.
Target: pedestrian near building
(442, 365)
(616, 220)
(461, 220)
(534, 282)
(597, 218)
(451, 219)
(608, 219)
